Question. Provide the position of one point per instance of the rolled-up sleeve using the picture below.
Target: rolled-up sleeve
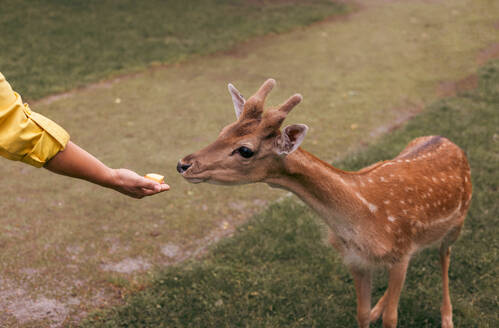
(25, 135)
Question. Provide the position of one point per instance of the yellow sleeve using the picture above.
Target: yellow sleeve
(25, 135)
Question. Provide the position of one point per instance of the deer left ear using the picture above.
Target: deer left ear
(237, 99)
(291, 138)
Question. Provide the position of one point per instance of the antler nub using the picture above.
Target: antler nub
(253, 107)
(291, 103)
(265, 89)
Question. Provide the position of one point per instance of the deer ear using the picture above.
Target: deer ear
(291, 138)
(237, 99)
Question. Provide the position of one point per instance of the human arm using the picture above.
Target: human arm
(34, 139)
(75, 162)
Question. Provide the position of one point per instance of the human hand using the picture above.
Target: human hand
(134, 185)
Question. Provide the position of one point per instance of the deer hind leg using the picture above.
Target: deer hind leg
(378, 308)
(395, 284)
(362, 280)
(445, 250)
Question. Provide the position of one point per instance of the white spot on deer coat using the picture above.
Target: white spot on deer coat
(373, 208)
(342, 181)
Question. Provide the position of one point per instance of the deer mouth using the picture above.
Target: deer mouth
(194, 177)
(194, 180)
(186, 170)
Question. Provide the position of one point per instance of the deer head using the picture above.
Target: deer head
(250, 149)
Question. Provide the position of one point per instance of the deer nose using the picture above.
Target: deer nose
(181, 168)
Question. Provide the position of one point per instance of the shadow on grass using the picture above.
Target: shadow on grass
(278, 272)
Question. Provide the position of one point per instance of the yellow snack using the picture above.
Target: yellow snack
(155, 177)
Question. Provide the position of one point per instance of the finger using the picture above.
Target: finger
(150, 192)
(161, 187)
(156, 186)
(148, 183)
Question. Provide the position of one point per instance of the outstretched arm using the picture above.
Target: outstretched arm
(75, 162)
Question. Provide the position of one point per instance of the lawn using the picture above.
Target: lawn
(52, 46)
(277, 271)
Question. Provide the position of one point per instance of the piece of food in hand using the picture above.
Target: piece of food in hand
(155, 177)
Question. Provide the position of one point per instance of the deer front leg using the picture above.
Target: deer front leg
(362, 279)
(395, 284)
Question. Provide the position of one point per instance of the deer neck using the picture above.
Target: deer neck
(321, 186)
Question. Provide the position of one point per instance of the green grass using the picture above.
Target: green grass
(277, 272)
(53, 46)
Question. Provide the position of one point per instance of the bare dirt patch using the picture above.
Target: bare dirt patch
(170, 250)
(452, 88)
(128, 265)
(488, 53)
(41, 308)
(17, 303)
(405, 113)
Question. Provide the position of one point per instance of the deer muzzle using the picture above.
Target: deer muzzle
(181, 168)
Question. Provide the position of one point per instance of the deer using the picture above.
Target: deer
(379, 216)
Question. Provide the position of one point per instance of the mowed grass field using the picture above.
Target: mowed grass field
(277, 271)
(50, 46)
(69, 246)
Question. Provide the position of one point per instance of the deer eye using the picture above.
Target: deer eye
(245, 152)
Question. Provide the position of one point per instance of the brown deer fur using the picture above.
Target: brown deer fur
(378, 216)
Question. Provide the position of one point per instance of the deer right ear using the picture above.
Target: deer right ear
(237, 99)
(291, 138)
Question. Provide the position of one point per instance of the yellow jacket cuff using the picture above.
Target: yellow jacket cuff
(25, 135)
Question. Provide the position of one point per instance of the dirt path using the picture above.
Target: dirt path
(69, 247)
